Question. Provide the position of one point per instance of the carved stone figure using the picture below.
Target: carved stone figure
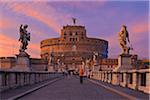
(94, 56)
(51, 58)
(58, 62)
(83, 64)
(123, 39)
(88, 63)
(24, 38)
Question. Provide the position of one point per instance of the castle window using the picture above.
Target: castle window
(70, 39)
(76, 33)
(70, 33)
(64, 33)
(76, 39)
(73, 39)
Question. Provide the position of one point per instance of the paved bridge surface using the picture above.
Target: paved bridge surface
(69, 88)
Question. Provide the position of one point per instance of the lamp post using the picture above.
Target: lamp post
(62, 62)
(46, 60)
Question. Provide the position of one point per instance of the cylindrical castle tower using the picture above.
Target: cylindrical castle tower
(73, 46)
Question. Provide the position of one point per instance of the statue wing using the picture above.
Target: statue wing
(28, 36)
(21, 33)
(127, 35)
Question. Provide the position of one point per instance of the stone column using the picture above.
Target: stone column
(148, 82)
(115, 78)
(148, 79)
(1, 82)
(124, 79)
(134, 86)
(109, 77)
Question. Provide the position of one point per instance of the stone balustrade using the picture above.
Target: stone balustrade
(134, 79)
(12, 79)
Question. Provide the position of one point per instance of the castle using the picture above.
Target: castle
(73, 46)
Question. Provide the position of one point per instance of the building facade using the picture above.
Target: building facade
(73, 46)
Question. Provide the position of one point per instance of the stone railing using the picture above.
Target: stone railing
(134, 79)
(12, 79)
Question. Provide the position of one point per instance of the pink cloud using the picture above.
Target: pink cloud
(6, 23)
(34, 50)
(32, 11)
(7, 45)
(139, 29)
(40, 13)
(10, 47)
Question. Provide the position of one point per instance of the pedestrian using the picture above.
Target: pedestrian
(81, 73)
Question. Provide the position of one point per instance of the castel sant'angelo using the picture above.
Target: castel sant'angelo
(73, 46)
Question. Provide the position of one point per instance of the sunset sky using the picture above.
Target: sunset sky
(102, 19)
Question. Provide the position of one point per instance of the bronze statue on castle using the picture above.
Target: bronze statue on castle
(74, 20)
(123, 39)
(24, 38)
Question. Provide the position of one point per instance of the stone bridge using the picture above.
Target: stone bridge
(56, 86)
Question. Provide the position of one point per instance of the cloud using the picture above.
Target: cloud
(10, 47)
(7, 45)
(7, 23)
(34, 50)
(42, 12)
(52, 16)
(36, 11)
(139, 28)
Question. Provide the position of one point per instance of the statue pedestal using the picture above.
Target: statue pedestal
(51, 68)
(96, 68)
(22, 62)
(124, 62)
(96, 65)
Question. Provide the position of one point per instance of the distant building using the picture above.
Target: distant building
(73, 46)
(36, 64)
(143, 64)
(108, 64)
(7, 62)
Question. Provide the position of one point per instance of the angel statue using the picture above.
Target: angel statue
(51, 58)
(123, 39)
(24, 37)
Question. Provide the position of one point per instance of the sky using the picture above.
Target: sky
(102, 19)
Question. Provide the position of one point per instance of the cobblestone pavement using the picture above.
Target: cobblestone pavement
(70, 89)
(137, 94)
(15, 91)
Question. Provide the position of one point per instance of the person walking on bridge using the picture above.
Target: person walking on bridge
(81, 74)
